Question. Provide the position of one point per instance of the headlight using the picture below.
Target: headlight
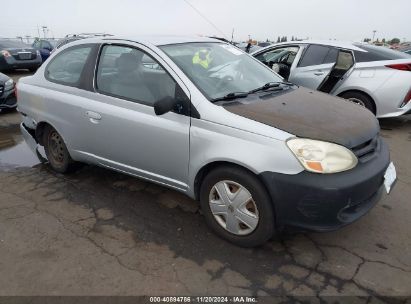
(38, 53)
(9, 84)
(322, 157)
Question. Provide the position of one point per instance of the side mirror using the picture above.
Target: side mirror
(164, 105)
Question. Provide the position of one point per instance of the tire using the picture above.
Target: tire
(361, 99)
(56, 151)
(258, 209)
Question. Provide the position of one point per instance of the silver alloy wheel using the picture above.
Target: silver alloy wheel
(357, 101)
(233, 207)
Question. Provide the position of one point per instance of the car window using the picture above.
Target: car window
(66, 67)
(12, 44)
(284, 55)
(45, 44)
(315, 55)
(331, 56)
(377, 53)
(131, 74)
(36, 44)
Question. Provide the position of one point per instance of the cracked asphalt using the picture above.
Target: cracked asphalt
(97, 232)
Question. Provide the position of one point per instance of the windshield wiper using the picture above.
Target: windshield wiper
(231, 96)
(270, 85)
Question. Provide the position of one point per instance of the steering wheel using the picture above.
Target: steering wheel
(223, 81)
(282, 69)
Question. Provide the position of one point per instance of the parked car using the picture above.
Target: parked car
(374, 77)
(45, 47)
(18, 55)
(258, 153)
(7, 95)
(264, 44)
(243, 46)
(408, 52)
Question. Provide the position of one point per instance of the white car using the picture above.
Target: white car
(372, 76)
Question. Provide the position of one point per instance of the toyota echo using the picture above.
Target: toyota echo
(202, 117)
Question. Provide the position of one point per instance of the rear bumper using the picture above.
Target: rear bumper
(325, 202)
(10, 63)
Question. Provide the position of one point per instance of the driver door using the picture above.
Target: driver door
(124, 133)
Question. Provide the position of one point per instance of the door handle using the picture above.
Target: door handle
(319, 73)
(94, 117)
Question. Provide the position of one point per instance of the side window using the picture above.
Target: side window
(315, 55)
(131, 74)
(280, 55)
(331, 56)
(66, 67)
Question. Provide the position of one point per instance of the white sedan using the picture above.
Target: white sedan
(372, 76)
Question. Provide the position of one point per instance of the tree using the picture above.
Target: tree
(383, 40)
(395, 41)
(279, 39)
(367, 39)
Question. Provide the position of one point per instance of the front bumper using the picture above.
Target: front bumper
(325, 202)
(8, 99)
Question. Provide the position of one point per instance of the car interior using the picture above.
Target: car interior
(134, 75)
(280, 60)
(345, 61)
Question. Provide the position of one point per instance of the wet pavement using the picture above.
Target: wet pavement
(97, 232)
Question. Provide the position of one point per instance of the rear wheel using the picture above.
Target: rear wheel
(237, 206)
(361, 99)
(56, 151)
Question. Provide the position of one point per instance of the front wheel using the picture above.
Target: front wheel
(237, 206)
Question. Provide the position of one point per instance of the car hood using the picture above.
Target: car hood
(3, 78)
(310, 114)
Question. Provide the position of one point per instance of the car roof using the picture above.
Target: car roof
(155, 40)
(334, 43)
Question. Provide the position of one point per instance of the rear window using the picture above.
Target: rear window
(5, 44)
(377, 53)
(67, 66)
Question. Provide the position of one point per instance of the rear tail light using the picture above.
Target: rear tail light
(5, 53)
(400, 66)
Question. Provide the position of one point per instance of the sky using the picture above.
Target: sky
(260, 19)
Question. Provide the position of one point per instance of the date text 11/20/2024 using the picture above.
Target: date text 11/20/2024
(239, 299)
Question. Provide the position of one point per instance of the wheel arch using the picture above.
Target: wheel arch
(40, 131)
(360, 92)
(207, 168)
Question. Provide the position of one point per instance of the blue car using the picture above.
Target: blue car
(44, 47)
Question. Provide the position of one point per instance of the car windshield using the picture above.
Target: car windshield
(218, 69)
(12, 44)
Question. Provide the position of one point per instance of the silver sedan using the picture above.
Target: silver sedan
(375, 77)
